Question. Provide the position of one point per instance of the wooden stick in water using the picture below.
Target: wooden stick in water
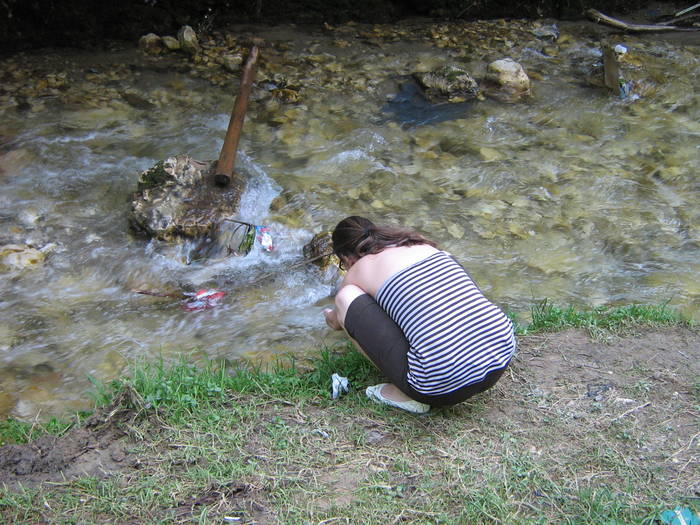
(614, 22)
(161, 294)
(227, 157)
(688, 10)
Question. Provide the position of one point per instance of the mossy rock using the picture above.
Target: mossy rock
(156, 176)
(320, 249)
(448, 83)
(178, 198)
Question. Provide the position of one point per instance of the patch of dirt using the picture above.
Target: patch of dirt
(553, 358)
(98, 448)
(645, 386)
(341, 486)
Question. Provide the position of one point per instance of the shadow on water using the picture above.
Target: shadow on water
(411, 109)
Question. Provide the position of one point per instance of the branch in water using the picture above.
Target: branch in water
(614, 22)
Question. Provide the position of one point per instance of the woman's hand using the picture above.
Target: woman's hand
(332, 318)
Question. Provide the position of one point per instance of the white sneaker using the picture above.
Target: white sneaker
(415, 407)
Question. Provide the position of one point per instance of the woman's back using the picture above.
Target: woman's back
(371, 271)
(456, 335)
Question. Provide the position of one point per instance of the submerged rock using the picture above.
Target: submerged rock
(232, 61)
(320, 250)
(285, 95)
(7, 403)
(14, 159)
(549, 32)
(172, 43)
(7, 340)
(448, 83)
(506, 80)
(19, 257)
(178, 199)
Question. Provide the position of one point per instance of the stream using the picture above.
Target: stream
(574, 194)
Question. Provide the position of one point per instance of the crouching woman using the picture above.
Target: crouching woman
(417, 315)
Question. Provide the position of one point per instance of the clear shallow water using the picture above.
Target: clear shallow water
(574, 195)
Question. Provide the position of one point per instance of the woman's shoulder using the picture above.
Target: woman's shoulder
(413, 251)
(399, 257)
(370, 271)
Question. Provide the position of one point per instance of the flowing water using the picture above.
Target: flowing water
(573, 195)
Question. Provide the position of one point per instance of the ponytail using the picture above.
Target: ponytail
(359, 236)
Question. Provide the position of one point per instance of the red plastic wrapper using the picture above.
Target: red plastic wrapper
(202, 300)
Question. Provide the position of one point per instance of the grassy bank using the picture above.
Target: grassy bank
(208, 444)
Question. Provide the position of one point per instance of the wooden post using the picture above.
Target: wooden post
(611, 68)
(227, 157)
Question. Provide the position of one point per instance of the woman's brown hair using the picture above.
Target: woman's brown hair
(359, 236)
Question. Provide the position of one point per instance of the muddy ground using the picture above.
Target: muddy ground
(650, 381)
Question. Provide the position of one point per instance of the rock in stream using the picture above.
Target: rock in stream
(177, 198)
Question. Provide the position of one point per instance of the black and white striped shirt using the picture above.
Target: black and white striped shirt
(456, 335)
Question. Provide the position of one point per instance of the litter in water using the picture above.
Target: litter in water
(202, 300)
(231, 237)
(264, 238)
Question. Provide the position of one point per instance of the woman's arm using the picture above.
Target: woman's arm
(348, 290)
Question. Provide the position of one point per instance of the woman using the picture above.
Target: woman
(417, 315)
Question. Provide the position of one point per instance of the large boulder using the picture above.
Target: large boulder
(178, 198)
(506, 80)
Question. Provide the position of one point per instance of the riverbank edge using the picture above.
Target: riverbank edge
(165, 415)
(72, 23)
(144, 376)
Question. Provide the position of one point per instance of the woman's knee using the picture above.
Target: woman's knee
(345, 296)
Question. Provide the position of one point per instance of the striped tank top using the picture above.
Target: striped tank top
(456, 335)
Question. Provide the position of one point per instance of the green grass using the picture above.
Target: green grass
(695, 390)
(547, 317)
(182, 388)
(13, 431)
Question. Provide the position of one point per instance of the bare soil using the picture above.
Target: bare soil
(646, 385)
(96, 449)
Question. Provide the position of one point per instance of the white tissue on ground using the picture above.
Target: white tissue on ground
(339, 385)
